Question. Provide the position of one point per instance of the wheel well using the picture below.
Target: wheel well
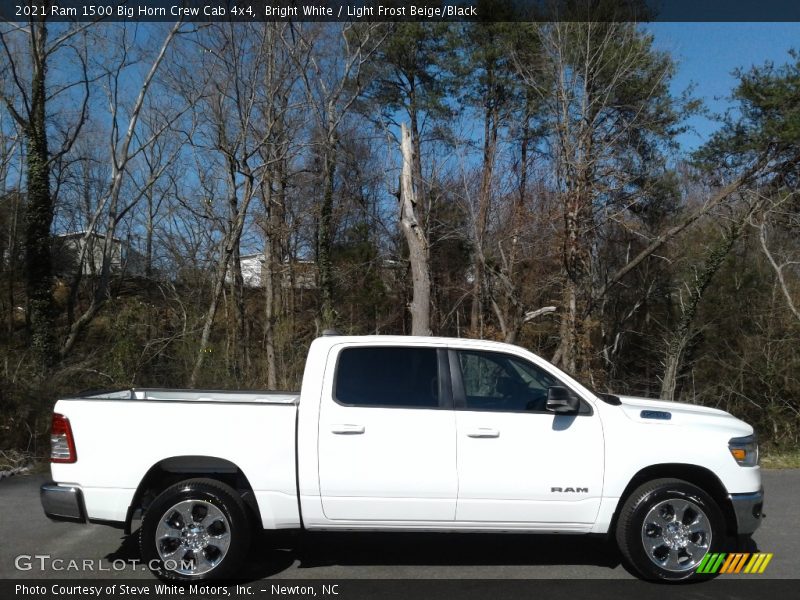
(703, 478)
(178, 468)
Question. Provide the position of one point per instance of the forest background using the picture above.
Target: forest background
(190, 205)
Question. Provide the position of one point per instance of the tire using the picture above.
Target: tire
(666, 527)
(195, 530)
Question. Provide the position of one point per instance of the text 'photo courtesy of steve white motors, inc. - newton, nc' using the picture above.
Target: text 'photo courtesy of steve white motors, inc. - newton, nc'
(243, 11)
(148, 589)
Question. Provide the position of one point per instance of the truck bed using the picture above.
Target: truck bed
(121, 435)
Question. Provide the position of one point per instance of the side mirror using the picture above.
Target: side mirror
(561, 401)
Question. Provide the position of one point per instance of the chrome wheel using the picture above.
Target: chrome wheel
(676, 535)
(192, 537)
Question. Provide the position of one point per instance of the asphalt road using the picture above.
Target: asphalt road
(24, 530)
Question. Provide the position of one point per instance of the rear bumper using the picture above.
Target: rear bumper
(63, 502)
(749, 511)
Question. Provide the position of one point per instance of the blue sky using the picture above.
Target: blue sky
(707, 54)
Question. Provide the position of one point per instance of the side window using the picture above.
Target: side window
(388, 377)
(494, 381)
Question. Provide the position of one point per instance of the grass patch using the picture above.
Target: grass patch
(780, 459)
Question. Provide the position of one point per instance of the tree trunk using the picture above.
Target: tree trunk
(237, 333)
(216, 295)
(327, 312)
(12, 259)
(421, 208)
(417, 243)
(511, 305)
(673, 363)
(39, 211)
(270, 317)
(149, 228)
(274, 206)
(510, 310)
(268, 272)
(490, 123)
(567, 352)
(227, 248)
(574, 352)
(239, 362)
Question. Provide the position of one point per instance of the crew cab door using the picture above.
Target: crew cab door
(387, 448)
(517, 462)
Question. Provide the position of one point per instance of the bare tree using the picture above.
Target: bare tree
(781, 265)
(10, 213)
(605, 90)
(417, 242)
(280, 80)
(333, 74)
(123, 150)
(244, 130)
(27, 95)
(690, 296)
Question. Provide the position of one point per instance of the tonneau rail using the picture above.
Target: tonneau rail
(199, 396)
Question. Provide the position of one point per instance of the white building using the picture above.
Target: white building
(67, 248)
(252, 269)
(302, 274)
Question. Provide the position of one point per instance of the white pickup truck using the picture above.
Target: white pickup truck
(406, 433)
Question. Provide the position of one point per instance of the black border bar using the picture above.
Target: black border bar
(250, 11)
(739, 588)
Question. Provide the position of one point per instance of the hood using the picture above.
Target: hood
(664, 412)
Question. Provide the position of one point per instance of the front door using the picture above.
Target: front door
(517, 462)
(387, 449)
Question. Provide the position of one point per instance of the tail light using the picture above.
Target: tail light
(62, 444)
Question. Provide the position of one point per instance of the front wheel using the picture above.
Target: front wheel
(195, 530)
(666, 527)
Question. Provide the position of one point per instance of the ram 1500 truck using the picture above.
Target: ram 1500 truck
(400, 434)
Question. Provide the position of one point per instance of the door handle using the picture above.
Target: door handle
(347, 429)
(483, 432)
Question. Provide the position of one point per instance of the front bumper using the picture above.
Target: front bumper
(63, 502)
(749, 511)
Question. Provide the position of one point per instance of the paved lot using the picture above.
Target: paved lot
(24, 530)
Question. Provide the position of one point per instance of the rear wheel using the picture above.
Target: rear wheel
(666, 527)
(195, 530)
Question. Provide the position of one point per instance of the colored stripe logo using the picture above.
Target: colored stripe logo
(737, 562)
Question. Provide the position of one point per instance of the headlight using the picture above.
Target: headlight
(744, 450)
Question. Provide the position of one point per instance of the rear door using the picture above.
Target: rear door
(387, 449)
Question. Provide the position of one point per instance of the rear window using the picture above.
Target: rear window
(387, 377)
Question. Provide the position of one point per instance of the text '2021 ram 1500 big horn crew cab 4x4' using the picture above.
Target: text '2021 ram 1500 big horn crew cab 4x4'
(406, 433)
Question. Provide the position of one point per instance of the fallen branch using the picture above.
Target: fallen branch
(13, 462)
(531, 315)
